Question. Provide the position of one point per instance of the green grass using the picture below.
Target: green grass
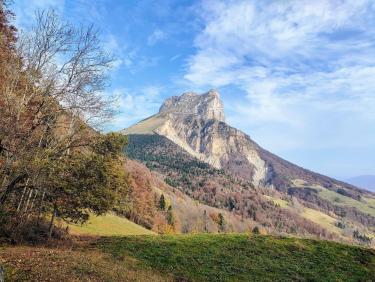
(109, 225)
(366, 205)
(277, 201)
(322, 219)
(315, 216)
(235, 257)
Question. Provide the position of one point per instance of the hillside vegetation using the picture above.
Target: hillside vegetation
(108, 225)
(200, 257)
(217, 188)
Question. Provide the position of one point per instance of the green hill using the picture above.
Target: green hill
(200, 257)
(236, 257)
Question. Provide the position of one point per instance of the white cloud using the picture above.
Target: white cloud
(306, 70)
(134, 105)
(302, 64)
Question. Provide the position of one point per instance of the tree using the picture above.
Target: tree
(221, 222)
(170, 216)
(162, 202)
(362, 238)
(205, 221)
(52, 161)
(86, 182)
(256, 230)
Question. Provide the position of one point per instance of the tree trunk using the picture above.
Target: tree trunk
(21, 200)
(40, 207)
(50, 230)
(28, 199)
(10, 188)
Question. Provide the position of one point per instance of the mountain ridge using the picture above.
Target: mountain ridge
(191, 120)
(242, 177)
(363, 181)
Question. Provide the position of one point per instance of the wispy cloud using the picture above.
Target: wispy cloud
(134, 105)
(303, 65)
(295, 74)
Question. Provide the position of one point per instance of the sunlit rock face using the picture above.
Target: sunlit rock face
(206, 106)
(197, 124)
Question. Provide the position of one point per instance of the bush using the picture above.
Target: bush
(256, 230)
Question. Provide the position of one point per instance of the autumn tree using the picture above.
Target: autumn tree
(205, 221)
(53, 160)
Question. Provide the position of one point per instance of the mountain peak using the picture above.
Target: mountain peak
(207, 105)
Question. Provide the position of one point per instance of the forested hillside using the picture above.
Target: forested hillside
(303, 209)
(216, 188)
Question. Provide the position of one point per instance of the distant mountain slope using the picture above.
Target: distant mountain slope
(363, 181)
(197, 124)
(192, 148)
(215, 188)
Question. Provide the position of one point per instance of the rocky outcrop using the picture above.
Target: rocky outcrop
(197, 124)
(189, 144)
(207, 106)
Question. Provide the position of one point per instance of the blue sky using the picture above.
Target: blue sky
(297, 76)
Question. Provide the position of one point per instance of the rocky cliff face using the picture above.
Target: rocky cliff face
(189, 144)
(207, 106)
(197, 124)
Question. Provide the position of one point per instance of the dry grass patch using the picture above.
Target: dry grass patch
(108, 225)
(25, 263)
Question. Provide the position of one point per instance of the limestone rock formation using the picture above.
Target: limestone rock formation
(197, 124)
(189, 144)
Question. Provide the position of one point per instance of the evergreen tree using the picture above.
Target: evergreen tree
(221, 222)
(170, 217)
(162, 202)
(256, 230)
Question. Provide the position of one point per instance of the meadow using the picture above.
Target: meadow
(195, 257)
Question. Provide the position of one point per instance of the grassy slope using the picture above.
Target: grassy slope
(316, 216)
(240, 258)
(24, 263)
(202, 257)
(323, 219)
(366, 205)
(109, 225)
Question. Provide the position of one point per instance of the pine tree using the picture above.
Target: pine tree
(170, 217)
(162, 202)
(221, 223)
(256, 230)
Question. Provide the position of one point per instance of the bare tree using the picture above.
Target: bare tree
(51, 88)
(68, 64)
